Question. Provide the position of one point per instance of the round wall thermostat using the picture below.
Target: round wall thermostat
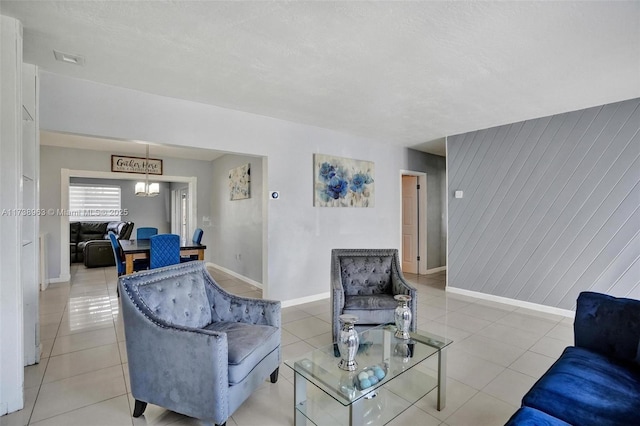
(274, 195)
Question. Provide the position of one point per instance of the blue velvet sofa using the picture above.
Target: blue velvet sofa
(192, 347)
(597, 381)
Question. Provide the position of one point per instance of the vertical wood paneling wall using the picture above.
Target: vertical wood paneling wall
(551, 207)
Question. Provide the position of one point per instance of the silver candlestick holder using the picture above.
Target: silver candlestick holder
(402, 316)
(348, 342)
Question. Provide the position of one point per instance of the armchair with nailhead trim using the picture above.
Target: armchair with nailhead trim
(363, 283)
(192, 347)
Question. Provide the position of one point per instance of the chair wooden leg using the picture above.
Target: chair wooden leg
(274, 375)
(139, 408)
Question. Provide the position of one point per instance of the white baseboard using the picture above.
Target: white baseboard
(236, 275)
(307, 299)
(60, 279)
(434, 270)
(514, 302)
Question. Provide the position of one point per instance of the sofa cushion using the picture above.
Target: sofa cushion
(608, 325)
(178, 300)
(97, 253)
(586, 388)
(366, 275)
(527, 416)
(74, 229)
(248, 344)
(92, 231)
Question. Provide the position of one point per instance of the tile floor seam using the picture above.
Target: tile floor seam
(462, 405)
(495, 340)
(80, 374)
(75, 409)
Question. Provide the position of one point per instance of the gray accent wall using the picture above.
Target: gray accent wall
(551, 207)
(435, 168)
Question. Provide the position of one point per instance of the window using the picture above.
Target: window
(94, 203)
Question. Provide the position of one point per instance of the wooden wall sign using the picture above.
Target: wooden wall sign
(136, 165)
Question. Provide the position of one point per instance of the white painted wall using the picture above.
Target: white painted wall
(11, 301)
(299, 236)
(237, 224)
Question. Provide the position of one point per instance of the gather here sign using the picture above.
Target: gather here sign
(136, 165)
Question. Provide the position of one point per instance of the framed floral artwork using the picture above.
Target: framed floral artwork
(239, 181)
(343, 182)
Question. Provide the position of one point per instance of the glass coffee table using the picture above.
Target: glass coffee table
(398, 377)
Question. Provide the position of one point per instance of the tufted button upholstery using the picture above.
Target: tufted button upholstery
(184, 295)
(366, 275)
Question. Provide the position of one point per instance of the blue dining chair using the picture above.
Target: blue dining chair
(145, 232)
(118, 256)
(197, 236)
(164, 250)
(117, 253)
(197, 239)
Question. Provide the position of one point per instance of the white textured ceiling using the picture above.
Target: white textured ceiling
(405, 73)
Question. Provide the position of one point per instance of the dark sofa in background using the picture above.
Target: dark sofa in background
(89, 242)
(597, 381)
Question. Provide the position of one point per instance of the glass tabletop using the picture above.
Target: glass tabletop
(380, 354)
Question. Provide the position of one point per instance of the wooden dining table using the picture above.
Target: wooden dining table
(141, 249)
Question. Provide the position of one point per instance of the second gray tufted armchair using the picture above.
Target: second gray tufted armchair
(363, 283)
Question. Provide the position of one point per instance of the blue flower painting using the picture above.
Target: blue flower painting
(343, 182)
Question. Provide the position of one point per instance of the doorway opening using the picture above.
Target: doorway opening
(67, 174)
(413, 245)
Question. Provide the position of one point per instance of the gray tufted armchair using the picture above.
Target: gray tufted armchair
(363, 283)
(193, 348)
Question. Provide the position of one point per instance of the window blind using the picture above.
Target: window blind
(94, 203)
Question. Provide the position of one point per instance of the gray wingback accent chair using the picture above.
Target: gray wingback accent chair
(363, 283)
(192, 347)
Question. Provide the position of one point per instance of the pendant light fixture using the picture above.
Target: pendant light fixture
(146, 189)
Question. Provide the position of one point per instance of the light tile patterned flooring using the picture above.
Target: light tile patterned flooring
(499, 351)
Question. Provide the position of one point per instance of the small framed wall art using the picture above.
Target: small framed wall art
(239, 182)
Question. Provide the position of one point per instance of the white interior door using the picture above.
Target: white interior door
(410, 224)
(180, 213)
(184, 214)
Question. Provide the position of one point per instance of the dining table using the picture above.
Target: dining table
(141, 249)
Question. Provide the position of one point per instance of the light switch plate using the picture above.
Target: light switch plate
(458, 194)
